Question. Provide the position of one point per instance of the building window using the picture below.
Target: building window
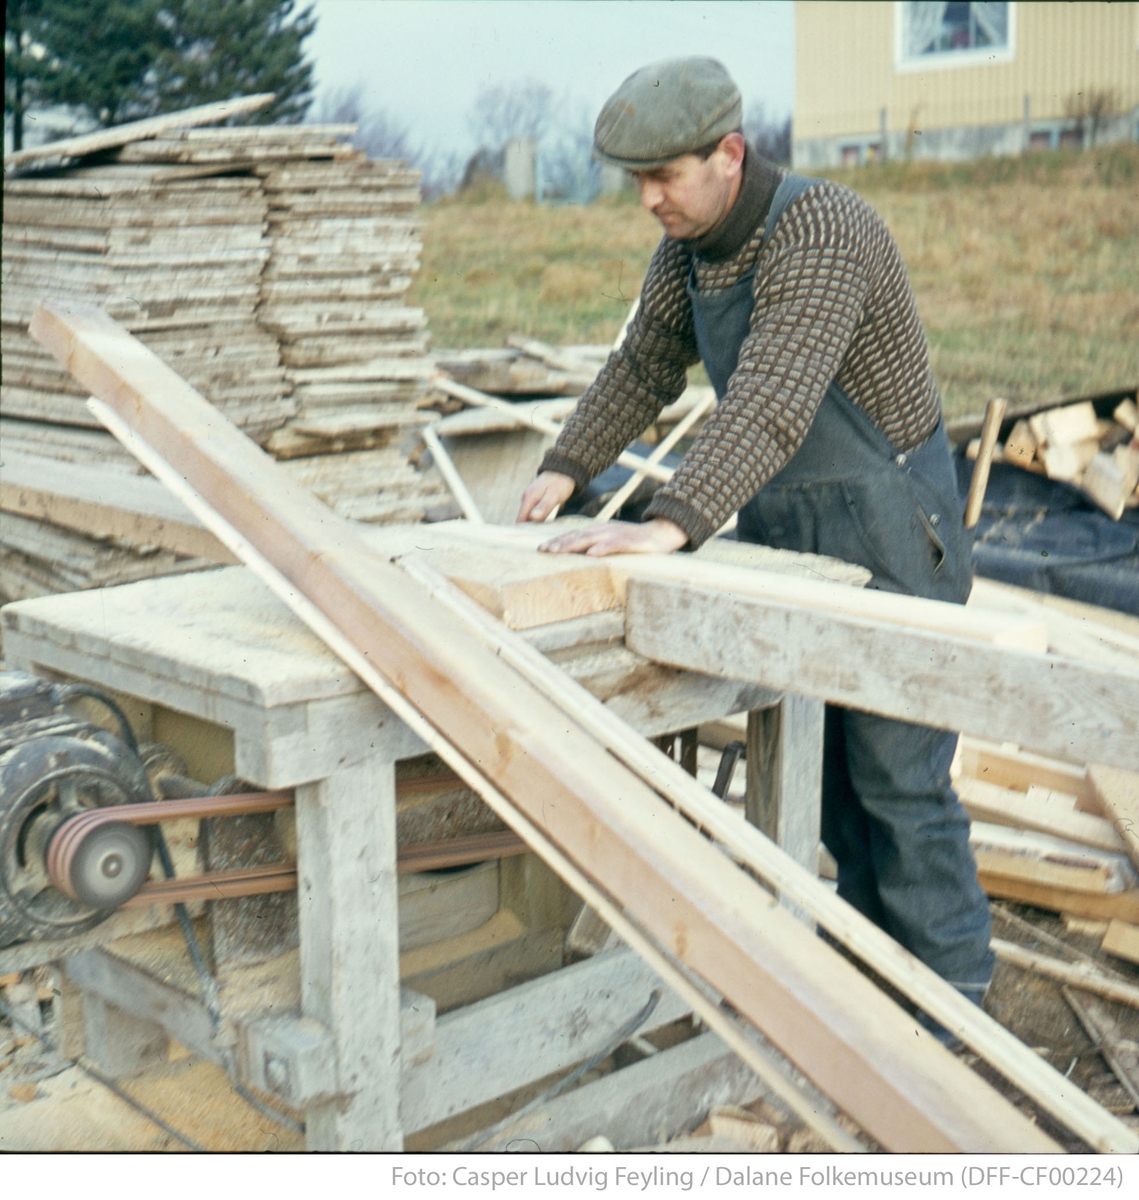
(957, 33)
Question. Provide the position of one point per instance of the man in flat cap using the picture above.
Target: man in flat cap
(827, 437)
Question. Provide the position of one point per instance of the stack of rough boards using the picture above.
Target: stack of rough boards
(1072, 444)
(681, 879)
(269, 265)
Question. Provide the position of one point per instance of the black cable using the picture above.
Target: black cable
(62, 693)
(618, 1040)
(107, 1082)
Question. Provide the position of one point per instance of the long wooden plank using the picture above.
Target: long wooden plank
(1051, 813)
(104, 504)
(1123, 907)
(420, 731)
(739, 569)
(1049, 861)
(459, 391)
(829, 1019)
(1059, 706)
(135, 131)
(1009, 767)
(1072, 1107)
(497, 1045)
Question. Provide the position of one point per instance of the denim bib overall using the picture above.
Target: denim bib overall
(890, 816)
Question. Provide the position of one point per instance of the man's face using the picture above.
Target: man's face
(691, 195)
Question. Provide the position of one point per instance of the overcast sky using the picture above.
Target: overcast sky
(424, 61)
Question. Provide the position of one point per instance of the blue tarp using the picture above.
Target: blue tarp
(1040, 534)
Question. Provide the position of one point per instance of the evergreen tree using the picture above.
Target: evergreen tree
(121, 60)
(219, 49)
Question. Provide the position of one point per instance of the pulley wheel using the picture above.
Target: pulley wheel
(109, 865)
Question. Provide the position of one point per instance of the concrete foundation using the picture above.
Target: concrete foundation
(958, 143)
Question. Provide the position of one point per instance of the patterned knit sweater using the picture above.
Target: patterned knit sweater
(832, 302)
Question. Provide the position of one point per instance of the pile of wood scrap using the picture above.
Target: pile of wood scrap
(525, 367)
(269, 263)
(1050, 833)
(1073, 445)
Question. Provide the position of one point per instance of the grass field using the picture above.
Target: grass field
(1026, 270)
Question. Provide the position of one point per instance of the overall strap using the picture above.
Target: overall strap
(792, 186)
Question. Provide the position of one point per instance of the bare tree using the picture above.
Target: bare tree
(1093, 109)
(568, 168)
(771, 139)
(510, 110)
(378, 133)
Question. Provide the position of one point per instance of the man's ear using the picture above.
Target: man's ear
(732, 146)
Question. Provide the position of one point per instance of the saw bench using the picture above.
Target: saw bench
(214, 664)
(462, 635)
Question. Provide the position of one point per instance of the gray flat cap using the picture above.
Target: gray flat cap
(665, 110)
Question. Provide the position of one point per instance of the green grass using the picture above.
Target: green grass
(1026, 270)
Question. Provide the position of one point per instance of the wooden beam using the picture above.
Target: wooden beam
(1010, 767)
(1049, 861)
(497, 1045)
(1059, 706)
(665, 1094)
(564, 789)
(785, 775)
(501, 579)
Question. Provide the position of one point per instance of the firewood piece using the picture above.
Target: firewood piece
(1067, 461)
(741, 1126)
(1110, 479)
(1127, 414)
(1064, 426)
(1122, 940)
(1020, 445)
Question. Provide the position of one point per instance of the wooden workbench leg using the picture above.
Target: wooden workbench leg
(346, 858)
(785, 774)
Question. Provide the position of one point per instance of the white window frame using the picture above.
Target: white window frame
(948, 59)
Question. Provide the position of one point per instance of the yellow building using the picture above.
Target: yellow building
(960, 80)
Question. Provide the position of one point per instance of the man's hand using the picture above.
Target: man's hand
(545, 496)
(619, 537)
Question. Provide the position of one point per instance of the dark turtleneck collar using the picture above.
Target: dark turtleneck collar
(760, 179)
